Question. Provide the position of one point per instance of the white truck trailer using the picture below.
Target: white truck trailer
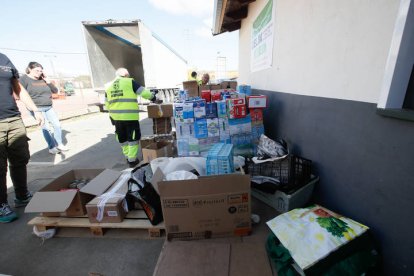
(112, 44)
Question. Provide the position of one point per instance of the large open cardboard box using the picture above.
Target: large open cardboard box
(54, 200)
(207, 207)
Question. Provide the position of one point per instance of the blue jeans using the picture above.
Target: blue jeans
(51, 118)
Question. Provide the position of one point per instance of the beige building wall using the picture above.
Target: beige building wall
(327, 48)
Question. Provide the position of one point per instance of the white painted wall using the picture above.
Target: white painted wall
(327, 48)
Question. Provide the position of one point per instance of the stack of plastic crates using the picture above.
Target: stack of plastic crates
(220, 159)
(292, 172)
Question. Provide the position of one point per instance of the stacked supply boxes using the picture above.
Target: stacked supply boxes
(161, 116)
(220, 159)
(256, 104)
(217, 116)
(162, 142)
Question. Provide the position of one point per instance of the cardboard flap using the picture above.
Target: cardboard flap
(101, 182)
(208, 185)
(122, 189)
(157, 177)
(50, 201)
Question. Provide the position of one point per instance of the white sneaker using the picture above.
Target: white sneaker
(54, 150)
(62, 148)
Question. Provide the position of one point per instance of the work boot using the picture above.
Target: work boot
(21, 202)
(6, 213)
(133, 164)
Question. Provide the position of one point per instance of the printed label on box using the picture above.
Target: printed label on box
(200, 128)
(193, 147)
(256, 114)
(112, 213)
(235, 199)
(257, 101)
(178, 112)
(182, 147)
(213, 127)
(175, 203)
(221, 109)
(184, 130)
(199, 109)
(188, 111)
(211, 110)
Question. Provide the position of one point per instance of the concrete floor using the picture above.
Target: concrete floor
(92, 145)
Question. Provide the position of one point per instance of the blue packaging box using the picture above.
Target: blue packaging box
(245, 89)
(211, 110)
(200, 128)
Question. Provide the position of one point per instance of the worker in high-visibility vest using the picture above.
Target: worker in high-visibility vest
(205, 79)
(122, 105)
(193, 77)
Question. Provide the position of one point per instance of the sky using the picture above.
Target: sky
(49, 31)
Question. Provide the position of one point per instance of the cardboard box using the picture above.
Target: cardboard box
(216, 95)
(160, 110)
(146, 140)
(225, 257)
(206, 95)
(114, 208)
(200, 128)
(199, 109)
(157, 149)
(210, 87)
(211, 110)
(51, 201)
(228, 84)
(257, 101)
(245, 89)
(283, 202)
(162, 126)
(192, 88)
(207, 207)
(256, 114)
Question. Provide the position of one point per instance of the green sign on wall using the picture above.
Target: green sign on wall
(262, 39)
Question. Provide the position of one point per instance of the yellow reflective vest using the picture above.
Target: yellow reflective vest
(121, 100)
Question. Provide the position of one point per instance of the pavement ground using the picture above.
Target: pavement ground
(90, 137)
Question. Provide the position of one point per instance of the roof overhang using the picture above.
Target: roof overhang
(228, 15)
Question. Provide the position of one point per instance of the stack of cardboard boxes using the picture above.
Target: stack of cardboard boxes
(161, 143)
(161, 117)
(224, 116)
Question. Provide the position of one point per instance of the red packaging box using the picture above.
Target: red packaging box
(258, 101)
(256, 114)
(206, 95)
(237, 111)
(239, 101)
(215, 96)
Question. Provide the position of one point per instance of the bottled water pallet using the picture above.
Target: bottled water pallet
(135, 220)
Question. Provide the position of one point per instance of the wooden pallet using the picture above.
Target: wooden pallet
(135, 220)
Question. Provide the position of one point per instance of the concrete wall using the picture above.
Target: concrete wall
(364, 161)
(334, 49)
(328, 67)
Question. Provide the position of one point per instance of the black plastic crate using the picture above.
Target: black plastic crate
(292, 171)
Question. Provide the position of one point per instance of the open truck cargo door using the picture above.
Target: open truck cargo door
(130, 44)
